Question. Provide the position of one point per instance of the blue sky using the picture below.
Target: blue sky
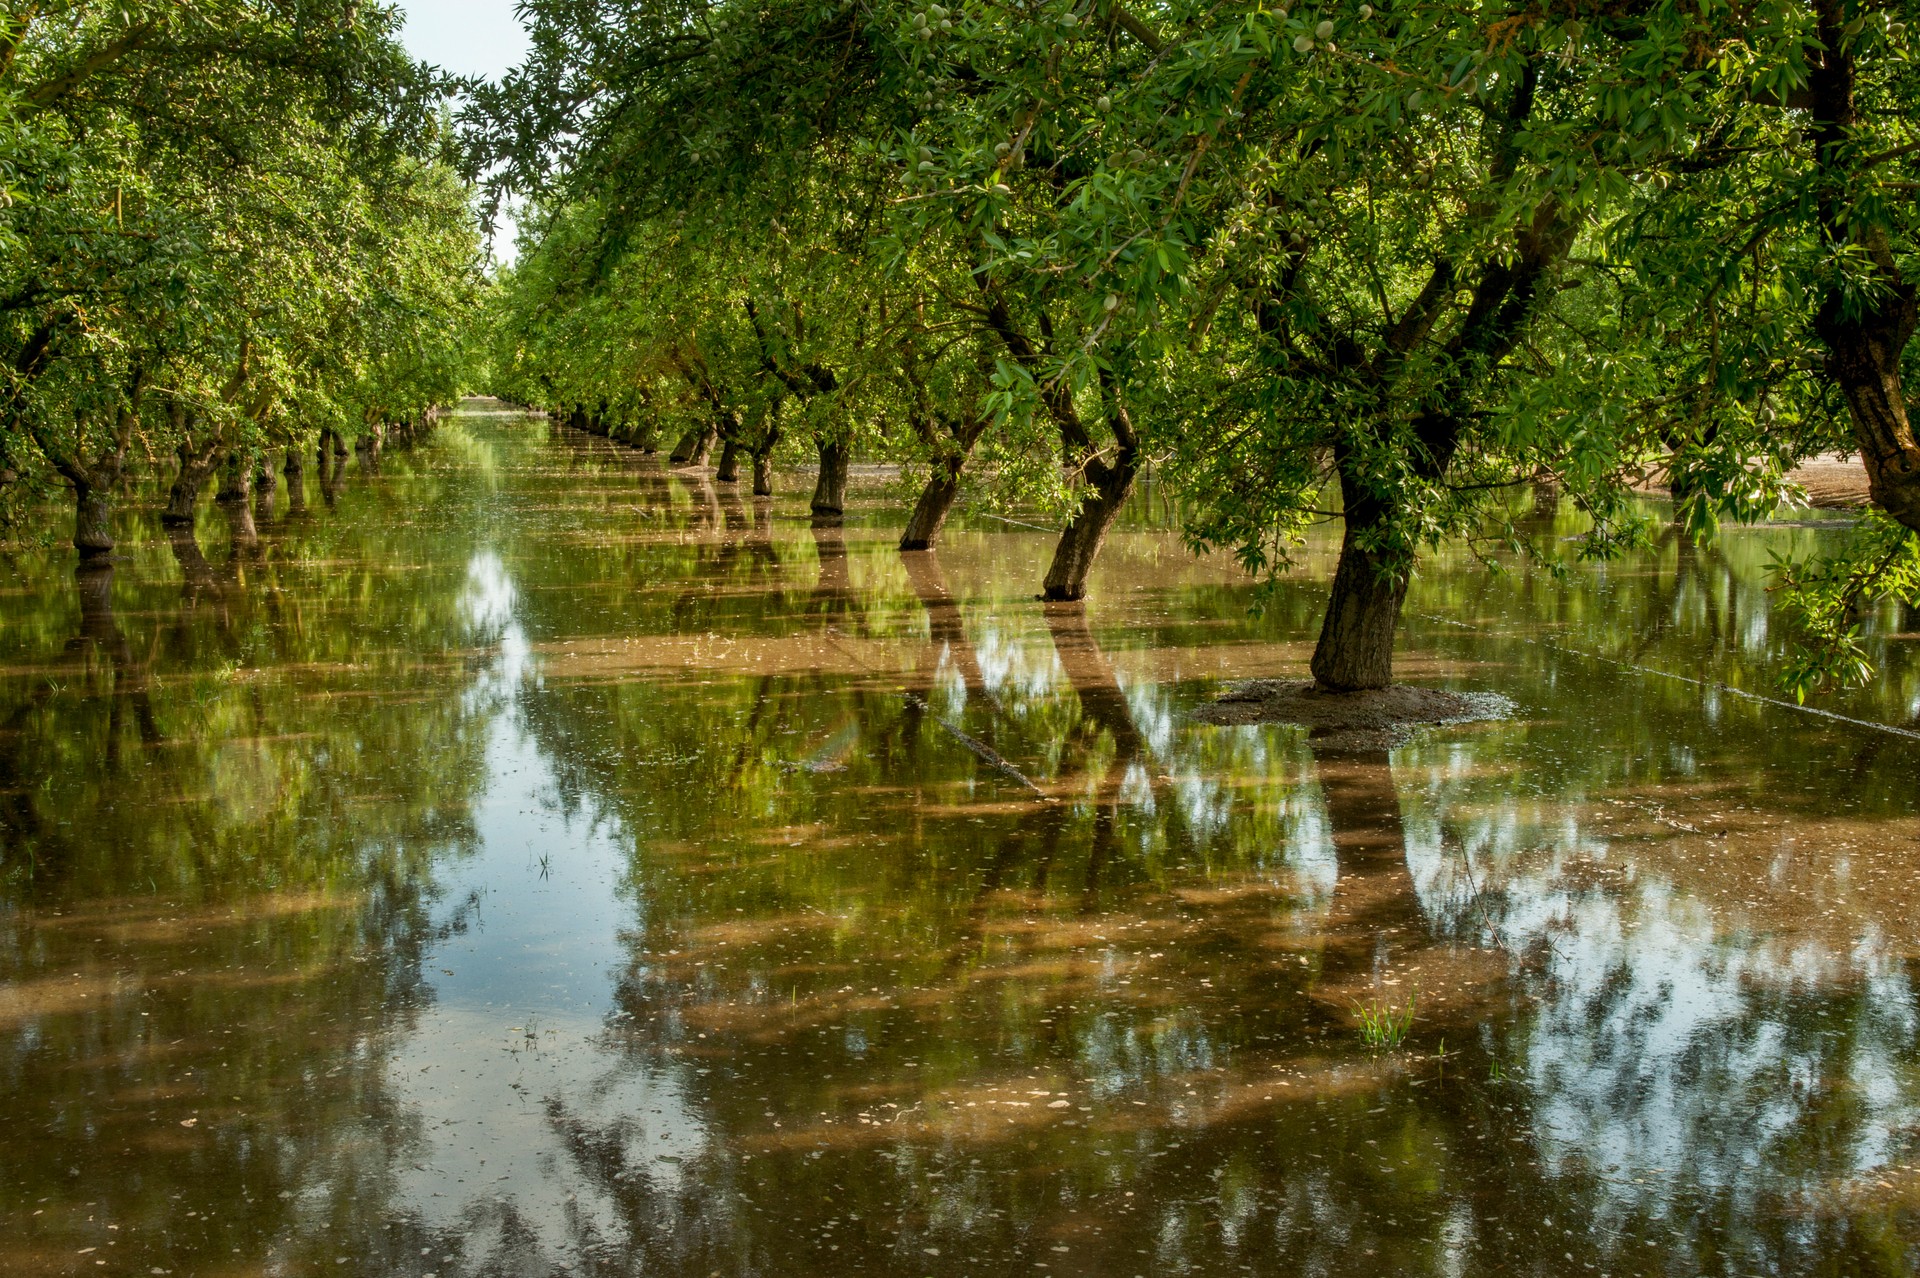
(465, 36)
(468, 37)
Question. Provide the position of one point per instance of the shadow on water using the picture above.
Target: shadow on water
(543, 863)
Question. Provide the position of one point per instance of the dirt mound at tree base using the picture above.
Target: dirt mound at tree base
(1350, 721)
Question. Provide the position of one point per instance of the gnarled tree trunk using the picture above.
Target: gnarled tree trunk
(1865, 333)
(183, 497)
(1355, 651)
(729, 470)
(235, 497)
(266, 486)
(763, 453)
(296, 472)
(696, 446)
(830, 490)
(1108, 485)
(936, 502)
(92, 521)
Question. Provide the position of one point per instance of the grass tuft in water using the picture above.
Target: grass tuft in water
(1384, 1026)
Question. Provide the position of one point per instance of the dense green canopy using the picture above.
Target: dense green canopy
(228, 225)
(1386, 260)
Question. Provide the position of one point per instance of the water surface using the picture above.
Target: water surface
(522, 861)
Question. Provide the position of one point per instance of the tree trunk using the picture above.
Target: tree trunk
(703, 452)
(236, 480)
(936, 500)
(1080, 541)
(92, 521)
(729, 471)
(1864, 361)
(763, 474)
(296, 471)
(183, 498)
(266, 486)
(695, 447)
(1356, 637)
(830, 490)
(1866, 331)
(236, 490)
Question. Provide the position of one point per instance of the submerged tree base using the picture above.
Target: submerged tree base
(1370, 720)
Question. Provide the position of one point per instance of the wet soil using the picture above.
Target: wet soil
(1832, 481)
(1375, 719)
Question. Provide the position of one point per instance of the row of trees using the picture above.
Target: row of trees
(1388, 259)
(228, 226)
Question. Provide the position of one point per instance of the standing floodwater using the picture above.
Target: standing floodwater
(521, 860)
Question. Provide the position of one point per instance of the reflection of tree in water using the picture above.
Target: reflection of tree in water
(227, 928)
(245, 924)
(819, 1026)
(1671, 1055)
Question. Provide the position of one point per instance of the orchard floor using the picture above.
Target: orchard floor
(524, 862)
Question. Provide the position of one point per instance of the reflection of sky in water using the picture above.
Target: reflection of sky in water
(522, 1000)
(1696, 1032)
(1667, 1053)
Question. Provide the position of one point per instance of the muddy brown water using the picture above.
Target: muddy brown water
(530, 863)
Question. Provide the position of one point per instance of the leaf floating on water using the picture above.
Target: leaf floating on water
(188, 1122)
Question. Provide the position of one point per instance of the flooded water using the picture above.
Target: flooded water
(523, 862)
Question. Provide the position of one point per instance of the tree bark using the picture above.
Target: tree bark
(296, 472)
(1866, 339)
(936, 502)
(830, 490)
(695, 447)
(1864, 361)
(236, 480)
(236, 491)
(729, 470)
(763, 452)
(92, 521)
(703, 450)
(1355, 651)
(183, 497)
(266, 487)
(1108, 484)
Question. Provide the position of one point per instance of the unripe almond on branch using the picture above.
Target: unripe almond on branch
(1112, 303)
(1103, 103)
(1303, 44)
(1325, 30)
